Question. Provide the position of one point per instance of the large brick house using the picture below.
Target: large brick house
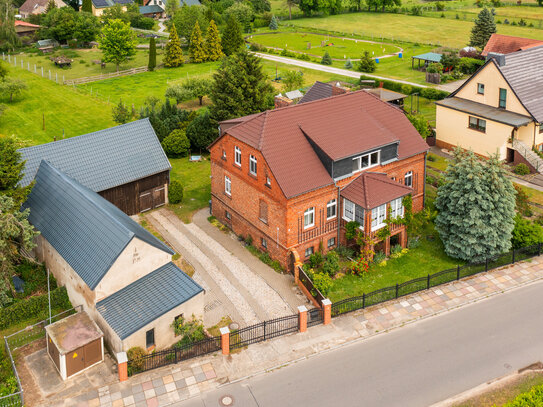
(293, 177)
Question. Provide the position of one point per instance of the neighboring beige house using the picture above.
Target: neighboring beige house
(31, 7)
(120, 273)
(99, 6)
(498, 110)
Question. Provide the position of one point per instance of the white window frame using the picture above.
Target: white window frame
(252, 161)
(378, 217)
(309, 212)
(331, 204)
(408, 175)
(227, 185)
(346, 203)
(333, 239)
(370, 165)
(237, 156)
(396, 208)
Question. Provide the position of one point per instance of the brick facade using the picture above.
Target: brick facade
(282, 230)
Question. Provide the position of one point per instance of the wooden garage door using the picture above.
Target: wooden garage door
(146, 200)
(93, 352)
(159, 197)
(75, 361)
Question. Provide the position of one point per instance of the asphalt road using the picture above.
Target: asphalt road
(417, 365)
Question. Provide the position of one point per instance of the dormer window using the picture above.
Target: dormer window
(366, 161)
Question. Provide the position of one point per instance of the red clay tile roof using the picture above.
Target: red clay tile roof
(356, 122)
(505, 44)
(25, 24)
(372, 189)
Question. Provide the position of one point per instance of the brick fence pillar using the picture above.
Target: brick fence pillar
(302, 318)
(122, 366)
(225, 340)
(327, 311)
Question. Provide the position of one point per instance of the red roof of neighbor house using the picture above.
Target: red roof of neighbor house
(505, 44)
(341, 125)
(25, 24)
(371, 190)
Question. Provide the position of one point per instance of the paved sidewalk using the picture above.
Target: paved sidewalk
(272, 354)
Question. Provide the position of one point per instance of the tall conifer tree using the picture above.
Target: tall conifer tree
(197, 49)
(232, 40)
(482, 30)
(173, 55)
(213, 43)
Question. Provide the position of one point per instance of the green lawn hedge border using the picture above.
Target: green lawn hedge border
(34, 307)
(428, 93)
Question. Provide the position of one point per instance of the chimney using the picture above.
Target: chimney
(282, 101)
(499, 58)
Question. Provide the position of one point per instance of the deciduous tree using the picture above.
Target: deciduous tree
(87, 27)
(292, 80)
(117, 42)
(202, 131)
(186, 17)
(173, 55)
(240, 87)
(12, 87)
(171, 7)
(476, 208)
(11, 171)
(197, 49)
(87, 6)
(7, 25)
(483, 28)
(232, 40)
(213, 43)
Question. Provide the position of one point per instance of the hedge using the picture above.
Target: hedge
(532, 398)
(428, 93)
(37, 306)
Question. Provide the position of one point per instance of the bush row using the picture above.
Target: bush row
(33, 307)
(428, 93)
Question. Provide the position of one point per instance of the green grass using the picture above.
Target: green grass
(533, 194)
(423, 106)
(426, 259)
(65, 111)
(439, 163)
(82, 65)
(194, 176)
(429, 30)
(339, 48)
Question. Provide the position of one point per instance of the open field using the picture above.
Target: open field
(82, 65)
(339, 48)
(428, 30)
(65, 111)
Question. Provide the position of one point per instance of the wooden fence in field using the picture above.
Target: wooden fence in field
(106, 76)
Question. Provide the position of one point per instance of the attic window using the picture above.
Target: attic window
(481, 88)
(366, 161)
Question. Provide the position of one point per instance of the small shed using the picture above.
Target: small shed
(428, 58)
(389, 96)
(74, 344)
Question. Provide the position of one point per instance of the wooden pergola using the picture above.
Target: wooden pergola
(428, 58)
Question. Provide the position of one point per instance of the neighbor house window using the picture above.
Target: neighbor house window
(408, 179)
(227, 185)
(263, 212)
(331, 209)
(503, 98)
(252, 164)
(237, 156)
(309, 218)
(396, 208)
(309, 251)
(541, 128)
(264, 243)
(150, 338)
(481, 88)
(348, 210)
(365, 161)
(227, 215)
(378, 216)
(331, 242)
(477, 124)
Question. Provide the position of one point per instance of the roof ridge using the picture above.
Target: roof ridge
(316, 101)
(388, 181)
(260, 137)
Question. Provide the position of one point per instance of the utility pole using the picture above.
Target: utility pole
(49, 295)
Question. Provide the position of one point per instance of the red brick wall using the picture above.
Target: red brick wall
(284, 226)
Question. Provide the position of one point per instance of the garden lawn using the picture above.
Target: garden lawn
(82, 65)
(429, 30)
(66, 111)
(426, 259)
(533, 194)
(439, 163)
(194, 176)
(425, 107)
(339, 48)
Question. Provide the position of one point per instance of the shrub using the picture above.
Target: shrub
(323, 282)
(331, 264)
(326, 59)
(135, 356)
(379, 257)
(526, 233)
(366, 63)
(522, 169)
(396, 249)
(434, 67)
(175, 192)
(348, 64)
(440, 6)
(316, 260)
(531, 398)
(249, 240)
(351, 230)
(521, 202)
(469, 65)
(420, 123)
(344, 252)
(416, 10)
(190, 331)
(303, 57)
(176, 144)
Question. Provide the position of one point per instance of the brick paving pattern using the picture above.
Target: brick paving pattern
(171, 384)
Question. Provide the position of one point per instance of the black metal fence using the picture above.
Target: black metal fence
(432, 280)
(309, 286)
(263, 331)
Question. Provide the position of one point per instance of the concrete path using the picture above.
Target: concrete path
(359, 326)
(329, 69)
(451, 86)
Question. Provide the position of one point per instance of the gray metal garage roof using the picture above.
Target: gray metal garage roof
(103, 159)
(146, 299)
(85, 229)
(485, 111)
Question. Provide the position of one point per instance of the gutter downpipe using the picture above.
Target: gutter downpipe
(424, 183)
